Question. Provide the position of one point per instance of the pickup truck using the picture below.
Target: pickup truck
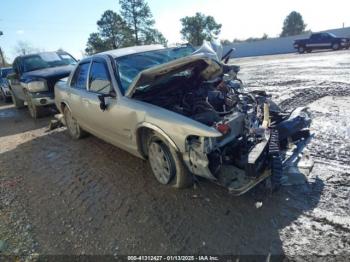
(321, 41)
(34, 78)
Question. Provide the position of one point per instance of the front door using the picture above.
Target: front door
(114, 123)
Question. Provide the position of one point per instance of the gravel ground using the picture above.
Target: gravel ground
(60, 196)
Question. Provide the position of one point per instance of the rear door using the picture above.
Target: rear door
(78, 90)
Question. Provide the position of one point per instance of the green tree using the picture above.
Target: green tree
(293, 24)
(153, 36)
(112, 33)
(265, 36)
(113, 29)
(138, 17)
(95, 44)
(196, 29)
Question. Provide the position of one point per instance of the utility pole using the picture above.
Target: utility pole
(1, 54)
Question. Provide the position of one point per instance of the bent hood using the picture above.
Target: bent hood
(47, 73)
(208, 69)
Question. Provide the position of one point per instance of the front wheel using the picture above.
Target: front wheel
(166, 164)
(335, 46)
(17, 102)
(35, 111)
(73, 127)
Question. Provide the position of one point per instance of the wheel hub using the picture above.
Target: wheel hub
(161, 164)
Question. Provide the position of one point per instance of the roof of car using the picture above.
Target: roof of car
(132, 50)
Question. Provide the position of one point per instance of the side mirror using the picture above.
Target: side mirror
(102, 97)
(103, 105)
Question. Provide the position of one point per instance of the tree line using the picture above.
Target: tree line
(135, 26)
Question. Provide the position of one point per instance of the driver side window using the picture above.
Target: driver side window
(99, 81)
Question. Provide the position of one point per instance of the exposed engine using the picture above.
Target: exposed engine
(204, 101)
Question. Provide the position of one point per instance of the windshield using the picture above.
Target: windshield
(129, 66)
(46, 60)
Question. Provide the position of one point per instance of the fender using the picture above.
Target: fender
(156, 129)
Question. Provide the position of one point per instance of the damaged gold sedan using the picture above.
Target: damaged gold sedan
(185, 112)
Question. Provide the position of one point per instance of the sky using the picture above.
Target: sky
(49, 25)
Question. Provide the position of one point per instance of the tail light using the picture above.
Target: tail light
(223, 128)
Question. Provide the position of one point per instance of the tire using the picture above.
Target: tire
(17, 102)
(166, 164)
(335, 46)
(308, 50)
(34, 111)
(301, 50)
(74, 130)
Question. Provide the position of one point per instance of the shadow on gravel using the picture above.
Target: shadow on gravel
(89, 197)
(14, 121)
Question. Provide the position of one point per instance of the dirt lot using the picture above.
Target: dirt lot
(60, 196)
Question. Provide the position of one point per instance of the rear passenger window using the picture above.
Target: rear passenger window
(80, 76)
(99, 78)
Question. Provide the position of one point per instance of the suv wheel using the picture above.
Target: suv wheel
(17, 102)
(301, 49)
(166, 164)
(35, 111)
(73, 127)
(335, 46)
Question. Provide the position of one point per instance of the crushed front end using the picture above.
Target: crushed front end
(248, 151)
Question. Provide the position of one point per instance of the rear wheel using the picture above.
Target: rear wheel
(74, 130)
(335, 46)
(301, 49)
(166, 164)
(17, 102)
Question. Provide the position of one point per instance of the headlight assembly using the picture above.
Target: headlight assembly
(37, 86)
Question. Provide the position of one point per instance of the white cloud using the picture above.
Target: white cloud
(20, 32)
